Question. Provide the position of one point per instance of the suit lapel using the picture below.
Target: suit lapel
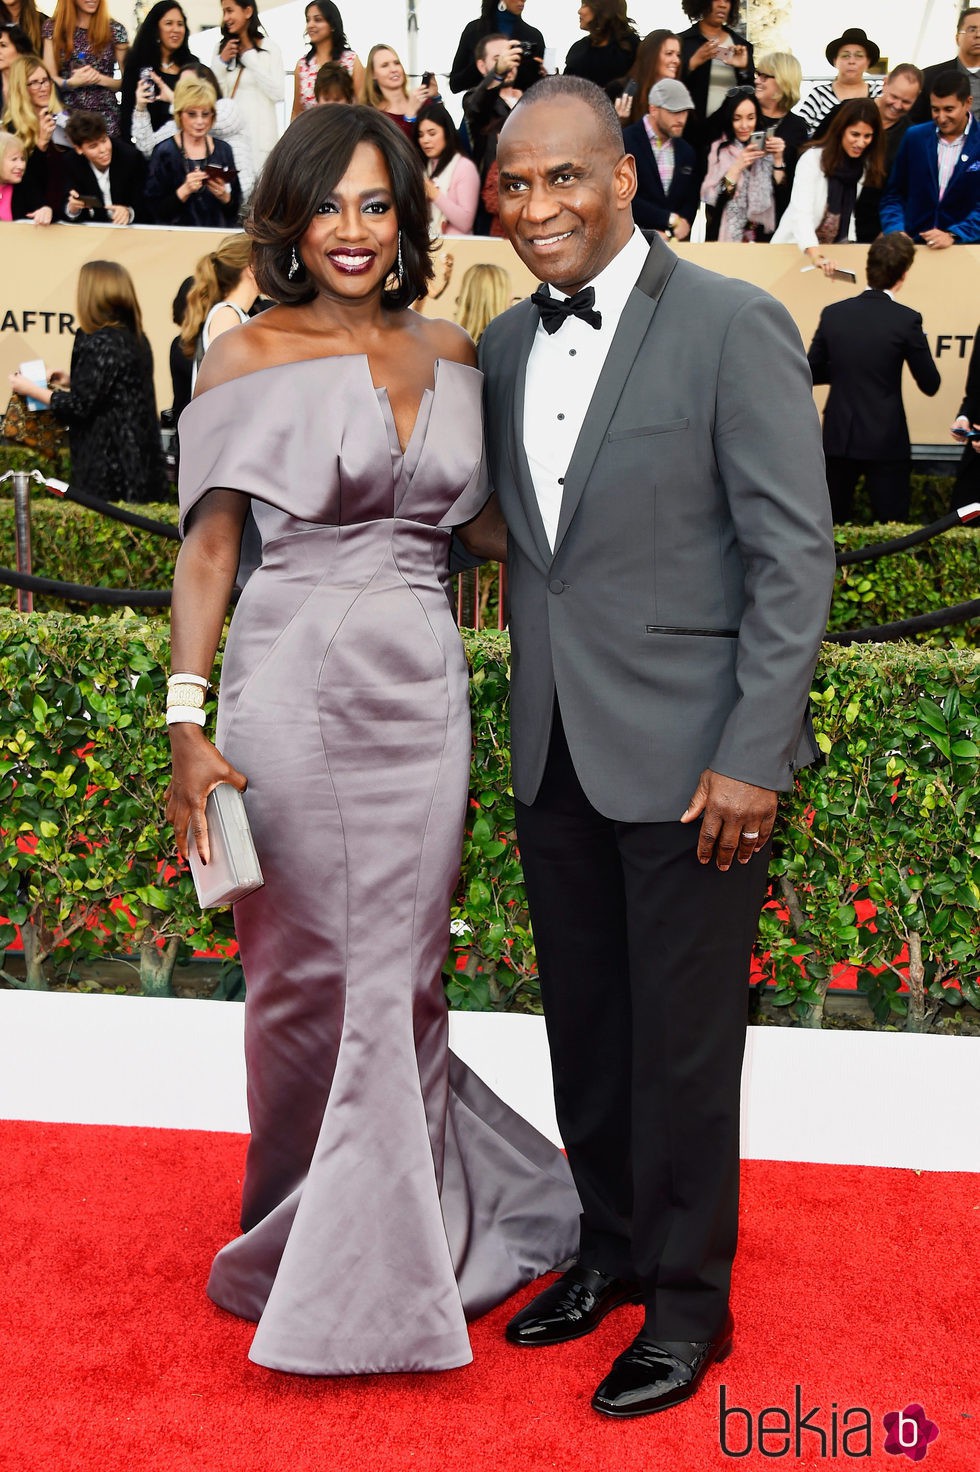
(637, 315)
(967, 155)
(518, 455)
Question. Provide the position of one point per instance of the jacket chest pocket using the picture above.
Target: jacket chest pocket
(668, 426)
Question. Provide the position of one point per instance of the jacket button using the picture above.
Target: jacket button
(556, 586)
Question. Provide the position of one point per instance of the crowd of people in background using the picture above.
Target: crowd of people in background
(716, 129)
(97, 130)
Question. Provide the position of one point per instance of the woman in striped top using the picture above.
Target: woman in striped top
(852, 54)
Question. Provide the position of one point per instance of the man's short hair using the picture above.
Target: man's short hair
(906, 69)
(967, 11)
(577, 89)
(85, 127)
(481, 46)
(889, 258)
(951, 84)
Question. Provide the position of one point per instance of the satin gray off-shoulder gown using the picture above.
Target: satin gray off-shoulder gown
(389, 1195)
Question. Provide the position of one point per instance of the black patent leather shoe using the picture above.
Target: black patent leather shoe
(651, 1376)
(573, 1306)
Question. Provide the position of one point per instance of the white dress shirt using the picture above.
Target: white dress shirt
(562, 372)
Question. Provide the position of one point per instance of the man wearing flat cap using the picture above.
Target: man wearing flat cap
(852, 54)
(667, 195)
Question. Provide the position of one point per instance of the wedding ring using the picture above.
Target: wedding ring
(751, 835)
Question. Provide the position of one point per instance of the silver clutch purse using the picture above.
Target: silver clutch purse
(233, 869)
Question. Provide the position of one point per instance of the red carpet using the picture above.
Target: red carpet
(858, 1285)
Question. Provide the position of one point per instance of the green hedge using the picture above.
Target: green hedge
(77, 545)
(889, 821)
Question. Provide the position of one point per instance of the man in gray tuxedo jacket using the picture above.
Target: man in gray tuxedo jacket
(656, 453)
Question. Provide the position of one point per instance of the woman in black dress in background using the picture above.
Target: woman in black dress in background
(608, 49)
(108, 402)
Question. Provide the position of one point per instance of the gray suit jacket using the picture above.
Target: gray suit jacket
(681, 612)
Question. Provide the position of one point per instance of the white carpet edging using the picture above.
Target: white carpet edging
(844, 1098)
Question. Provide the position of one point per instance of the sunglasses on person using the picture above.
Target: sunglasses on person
(746, 90)
(764, 76)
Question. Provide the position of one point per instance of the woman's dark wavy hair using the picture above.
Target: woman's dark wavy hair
(644, 67)
(254, 28)
(611, 23)
(145, 51)
(696, 10)
(831, 145)
(435, 112)
(338, 37)
(309, 161)
(724, 118)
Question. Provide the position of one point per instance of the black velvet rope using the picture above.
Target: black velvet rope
(82, 593)
(899, 544)
(119, 513)
(940, 618)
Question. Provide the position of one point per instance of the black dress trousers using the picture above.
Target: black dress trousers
(643, 956)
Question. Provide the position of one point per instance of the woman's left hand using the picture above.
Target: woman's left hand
(739, 58)
(43, 216)
(776, 147)
(431, 190)
(220, 188)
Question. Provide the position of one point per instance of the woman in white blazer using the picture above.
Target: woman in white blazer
(829, 178)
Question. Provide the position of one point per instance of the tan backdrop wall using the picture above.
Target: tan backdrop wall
(40, 268)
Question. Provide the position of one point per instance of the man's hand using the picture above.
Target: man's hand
(938, 239)
(737, 818)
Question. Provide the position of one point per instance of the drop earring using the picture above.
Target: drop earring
(293, 264)
(400, 267)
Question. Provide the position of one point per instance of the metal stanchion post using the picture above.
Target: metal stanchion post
(22, 535)
(22, 528)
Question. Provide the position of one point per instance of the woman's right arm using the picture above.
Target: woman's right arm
(203, 581)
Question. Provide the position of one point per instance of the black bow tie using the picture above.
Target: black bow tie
(555, 310)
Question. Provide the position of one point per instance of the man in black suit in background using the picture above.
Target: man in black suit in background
(105, 175)
(966, 60)
(667, 195)
(966, 488)
(859, 348)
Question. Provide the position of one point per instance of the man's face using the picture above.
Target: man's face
(897, 96)
(564, 194)
(950, 115)
(98, 152)
(489, 62)
(968, 39)
(667, 124)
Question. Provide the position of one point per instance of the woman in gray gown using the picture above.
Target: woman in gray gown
(388, 1194)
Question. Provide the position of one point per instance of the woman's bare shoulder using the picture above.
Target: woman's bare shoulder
(244, 349)
(449, 341)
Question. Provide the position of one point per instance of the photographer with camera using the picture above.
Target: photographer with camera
(487, 107)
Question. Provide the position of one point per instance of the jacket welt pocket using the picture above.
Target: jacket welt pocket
(632, 434)
(698, 633)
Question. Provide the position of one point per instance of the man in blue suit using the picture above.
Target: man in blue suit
(933, 192)
(667, 194)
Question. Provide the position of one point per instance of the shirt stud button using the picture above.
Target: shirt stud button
(561, 416)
